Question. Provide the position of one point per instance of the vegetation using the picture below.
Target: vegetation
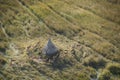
(114, 68)
(105, 75)
(86, 32)
(95, 62)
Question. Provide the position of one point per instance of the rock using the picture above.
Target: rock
(50, 49)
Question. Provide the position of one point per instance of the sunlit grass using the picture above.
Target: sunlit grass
(85, 31)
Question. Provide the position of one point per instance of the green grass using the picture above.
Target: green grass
(99, 7)
(114, 68)
(98, 29)
(86, 19)
(85, 31)
(95, 62)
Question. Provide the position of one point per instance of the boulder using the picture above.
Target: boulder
(50, 49)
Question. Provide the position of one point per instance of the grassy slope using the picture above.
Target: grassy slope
(91, 26)
(87, 21)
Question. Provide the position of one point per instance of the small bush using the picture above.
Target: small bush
(3, 46)
(95, 62)
(91, 71)
(105, 75)
(114, 68)
(2, 61)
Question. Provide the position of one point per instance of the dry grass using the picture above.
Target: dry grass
(85, 31)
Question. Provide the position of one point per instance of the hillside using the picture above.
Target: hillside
(86, 32)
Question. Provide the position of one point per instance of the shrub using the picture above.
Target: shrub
(95, 62)
(3, 46)
(114, 68)
(105, 75)
(2, 61)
